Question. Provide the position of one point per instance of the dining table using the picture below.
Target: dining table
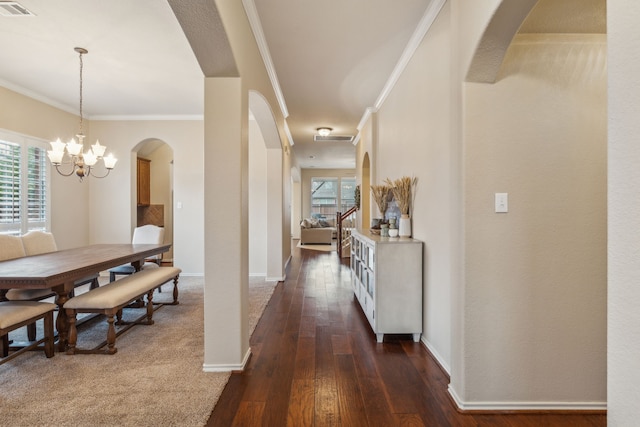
(60, 270)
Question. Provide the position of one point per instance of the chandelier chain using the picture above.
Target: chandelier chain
(81, 115)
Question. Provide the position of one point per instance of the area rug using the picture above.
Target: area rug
(155, 378)
(323, 248)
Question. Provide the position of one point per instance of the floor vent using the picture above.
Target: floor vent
(13, 8)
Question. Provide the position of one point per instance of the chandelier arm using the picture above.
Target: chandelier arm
(92, 173)
(73, 170)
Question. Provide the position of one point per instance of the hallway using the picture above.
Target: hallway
(316, 362)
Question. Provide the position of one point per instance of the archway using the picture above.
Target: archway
(365, 192)
(152, 172)
(266, 202)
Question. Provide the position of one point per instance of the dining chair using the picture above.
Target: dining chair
(146, 234)
(37, 242)
(10, 248)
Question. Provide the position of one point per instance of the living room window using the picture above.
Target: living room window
(24, 185)
(330, 195)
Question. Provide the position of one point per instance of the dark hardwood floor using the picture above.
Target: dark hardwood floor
(316, 362)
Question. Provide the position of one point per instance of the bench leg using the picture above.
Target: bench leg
(175, 290)
(111, 336)
(73, 332)
(150, 307)
(48, 334)
(4, 345)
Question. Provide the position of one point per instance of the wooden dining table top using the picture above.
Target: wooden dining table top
(65, 266)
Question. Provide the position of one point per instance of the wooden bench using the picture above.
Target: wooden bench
(111, 298)
(16, 314)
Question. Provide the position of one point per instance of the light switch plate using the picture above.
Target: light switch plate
(502, 202)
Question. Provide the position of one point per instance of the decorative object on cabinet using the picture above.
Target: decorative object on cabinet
(386, 275)
(402, 190)
(144, 182)
(393, 228)
(380, 194)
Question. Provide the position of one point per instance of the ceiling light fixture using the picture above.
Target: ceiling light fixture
(82, 163)
(324, 131)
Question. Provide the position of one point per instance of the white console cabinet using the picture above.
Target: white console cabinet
(386, 275)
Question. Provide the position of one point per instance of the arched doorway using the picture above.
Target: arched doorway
(365, 193)
(153, 193)
(266, 214)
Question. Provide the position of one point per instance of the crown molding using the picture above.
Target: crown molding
(421, 30)
(31, 94)
(258, 34)
(149, 117)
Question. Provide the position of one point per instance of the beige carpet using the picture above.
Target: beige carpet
(324, 248)
(155, 379)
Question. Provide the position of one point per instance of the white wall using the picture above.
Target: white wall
(535, 311)
(113, 199)
(623, 36)
(257, 202)
(413, 140)
(296, 208)
(515, 327)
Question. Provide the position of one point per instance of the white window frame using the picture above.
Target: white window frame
(25, 142)
(338, 205)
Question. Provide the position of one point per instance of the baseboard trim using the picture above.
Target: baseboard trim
(275, 279)
(526, 407)
(228, 368)
(436, 356)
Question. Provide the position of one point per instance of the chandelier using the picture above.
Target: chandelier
(82, 163)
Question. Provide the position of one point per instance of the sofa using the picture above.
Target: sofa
(317, 231)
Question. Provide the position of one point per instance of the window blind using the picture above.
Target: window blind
(24, 195)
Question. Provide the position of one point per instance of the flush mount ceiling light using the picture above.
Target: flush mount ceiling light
(324, 131)
(81, 163)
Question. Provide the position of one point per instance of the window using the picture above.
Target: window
(347, 194)
(330, 195)
(24, 184)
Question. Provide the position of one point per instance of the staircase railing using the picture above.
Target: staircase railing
(339, 218)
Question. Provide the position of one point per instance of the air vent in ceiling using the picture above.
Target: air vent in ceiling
(13, 8)
(332, 138)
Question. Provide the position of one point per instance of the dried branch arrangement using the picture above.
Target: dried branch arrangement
(401, 189)
(380, 194)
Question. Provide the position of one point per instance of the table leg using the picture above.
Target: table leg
(62, 321)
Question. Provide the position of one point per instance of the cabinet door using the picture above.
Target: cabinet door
(144, 182)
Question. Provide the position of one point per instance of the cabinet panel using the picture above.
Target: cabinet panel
(388, 274)
(144, 182)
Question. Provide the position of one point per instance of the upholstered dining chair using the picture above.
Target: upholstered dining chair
(10, 247)
(37, 242)
(13, 247)
(146, 234)
(33, 243)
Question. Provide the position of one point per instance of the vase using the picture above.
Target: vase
(404, 230)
